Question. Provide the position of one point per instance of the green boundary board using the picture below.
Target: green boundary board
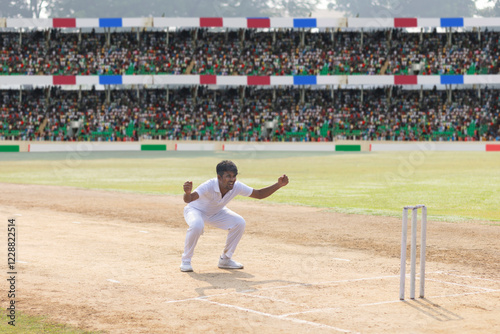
(9, 148)
(145, 147)
(348, 148)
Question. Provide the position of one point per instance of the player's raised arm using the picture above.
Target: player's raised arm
(189, 196)
(268, 191)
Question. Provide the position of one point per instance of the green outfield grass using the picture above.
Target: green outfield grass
(454, 185)
(30, 324)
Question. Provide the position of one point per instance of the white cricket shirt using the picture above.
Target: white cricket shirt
(211, 200)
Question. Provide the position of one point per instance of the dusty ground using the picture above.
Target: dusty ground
(110, 261)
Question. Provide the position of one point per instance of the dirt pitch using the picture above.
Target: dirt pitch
(109, 261)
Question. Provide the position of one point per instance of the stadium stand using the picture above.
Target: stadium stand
(250, 114)
(230, 79)
(249, 52)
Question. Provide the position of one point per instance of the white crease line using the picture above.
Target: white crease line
(464, 294)
(112, 280)
(300, 321)
(471, 277)
(272, 299)
(327, 309)
(463, 285)
(441, 296)
(382, 303)
(196, 298)
(17, 214)
(76, 222)
(285, 286)
(330, 282)
(353, 280)
(281, 287)
(310, 311)
(144, 231)
(284, 316)
(335, 258)
(244, 292)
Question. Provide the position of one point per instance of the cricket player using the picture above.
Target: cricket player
(207, 204)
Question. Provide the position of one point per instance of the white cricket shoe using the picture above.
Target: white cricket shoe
(229, 264)
(186, 266)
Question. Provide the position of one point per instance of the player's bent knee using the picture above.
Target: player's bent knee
(239, 223)
(197, 227)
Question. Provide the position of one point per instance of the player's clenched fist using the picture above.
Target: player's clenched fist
(188, 187)
(283, 180)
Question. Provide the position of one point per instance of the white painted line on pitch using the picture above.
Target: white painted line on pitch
(286, 286)
(310, 311)
(464, 294)
(384, 302)
(196, 298)
(441, 296)
(300, 321)
(341, 259)
(144, 231)
(463, 285)
(329, 282)
(381, 303)
(244, 292)
(17, 214)
(327, 309)
(282, 287)
(354, 280)
(486, 290)
(286, 316)
(112, 280)
(271, 298)
(463, 276)
(76, 222)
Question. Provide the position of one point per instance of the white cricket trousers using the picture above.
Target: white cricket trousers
(224, 219)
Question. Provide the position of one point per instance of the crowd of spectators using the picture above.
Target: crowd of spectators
(248, 52)
(250, 114)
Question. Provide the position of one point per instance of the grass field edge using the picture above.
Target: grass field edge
(353, 211)
(27, 323)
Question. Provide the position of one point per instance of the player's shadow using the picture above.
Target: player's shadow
(433, 310)
(236, 280)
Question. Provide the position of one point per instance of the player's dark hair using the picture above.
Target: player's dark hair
(226, 166)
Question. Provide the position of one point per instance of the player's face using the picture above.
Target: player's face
(227, 180)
